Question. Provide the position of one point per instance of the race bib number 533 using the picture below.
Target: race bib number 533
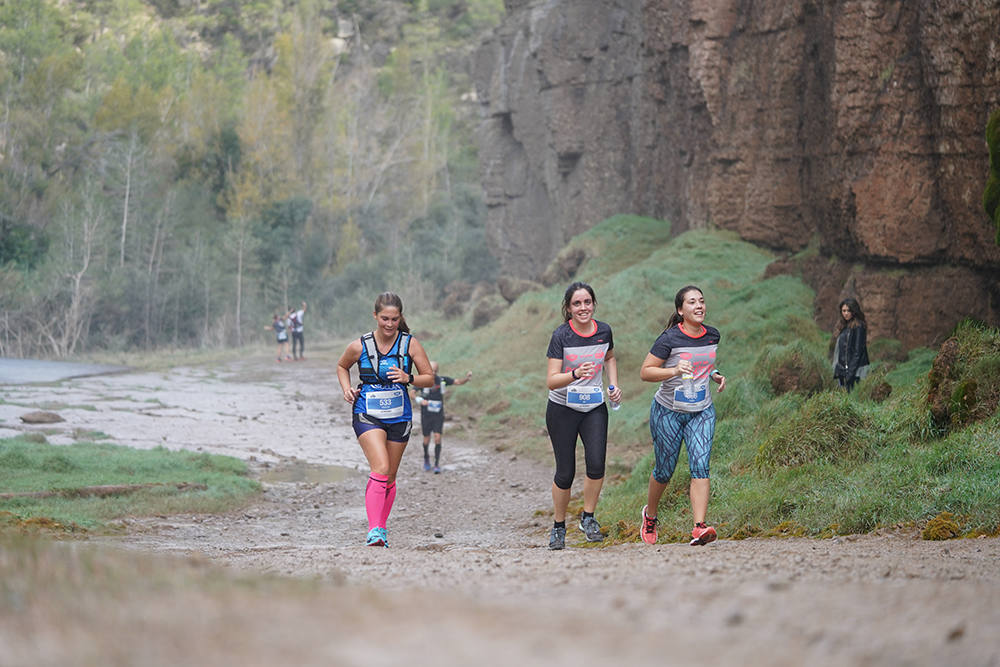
(385, 404)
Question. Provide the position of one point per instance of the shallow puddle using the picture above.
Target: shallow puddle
(306, 472)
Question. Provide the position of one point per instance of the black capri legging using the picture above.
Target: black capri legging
(564, 425)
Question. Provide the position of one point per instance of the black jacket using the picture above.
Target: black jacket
(852, 352)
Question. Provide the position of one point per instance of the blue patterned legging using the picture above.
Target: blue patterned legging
(669, 427)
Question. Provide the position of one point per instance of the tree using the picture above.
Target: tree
(133, 115)
(166, 173)
(62, 315)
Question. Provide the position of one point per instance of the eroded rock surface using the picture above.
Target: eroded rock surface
(854, 128)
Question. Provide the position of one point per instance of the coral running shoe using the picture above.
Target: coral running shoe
(702, 534)
(648, 529)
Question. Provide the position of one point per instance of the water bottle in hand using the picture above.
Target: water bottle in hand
(687, 382)
(614, 405)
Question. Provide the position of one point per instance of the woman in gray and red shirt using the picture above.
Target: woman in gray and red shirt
(579, 351)
(682, 360)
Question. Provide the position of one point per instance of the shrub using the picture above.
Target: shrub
(794, 367)
(964, 382)
(828, 427)
(887, 349)
(875, 387)
(942, 527)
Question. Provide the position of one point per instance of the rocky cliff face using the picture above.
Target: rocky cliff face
(847, 135)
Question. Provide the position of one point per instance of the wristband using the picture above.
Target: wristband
(411, 378)
(573, 373)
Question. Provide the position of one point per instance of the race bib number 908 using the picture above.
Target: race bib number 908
(584, 399)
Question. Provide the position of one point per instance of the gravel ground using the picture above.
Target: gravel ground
(469, 576)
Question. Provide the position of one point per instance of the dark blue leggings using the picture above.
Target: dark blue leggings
(669, 427)
(564, 425)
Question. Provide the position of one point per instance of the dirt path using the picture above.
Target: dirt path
(469, 576)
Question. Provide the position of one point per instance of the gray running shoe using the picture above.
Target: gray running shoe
(590, 526)
(557, 540)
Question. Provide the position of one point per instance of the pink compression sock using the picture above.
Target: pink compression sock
(375, 497)
(390, 497)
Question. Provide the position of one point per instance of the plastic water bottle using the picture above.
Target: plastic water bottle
(687, 382)
(614, 406)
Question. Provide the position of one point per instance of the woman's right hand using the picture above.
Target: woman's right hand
(586, 369)
(684, 366)
(351, 394)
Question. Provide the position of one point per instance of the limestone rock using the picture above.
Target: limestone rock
(511, 288)
(564, 266)
(487, 309)
(856, 126)
(41, 417)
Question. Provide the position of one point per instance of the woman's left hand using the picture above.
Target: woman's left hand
(721, 379)
(616, 395)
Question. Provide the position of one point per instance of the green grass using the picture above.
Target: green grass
(27, 466)
(811, 462)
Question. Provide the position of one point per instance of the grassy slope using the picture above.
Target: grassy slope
(788, 464)
(27, 465)
(880, 470)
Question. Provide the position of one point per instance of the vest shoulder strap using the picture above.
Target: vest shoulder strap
(368, 340)
(404, 347)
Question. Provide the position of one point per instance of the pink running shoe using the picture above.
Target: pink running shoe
(702, 534)
(648, 529)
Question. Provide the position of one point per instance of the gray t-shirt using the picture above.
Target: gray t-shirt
(573, 348)
(673, 345)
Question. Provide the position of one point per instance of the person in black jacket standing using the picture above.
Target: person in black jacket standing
(850, 353)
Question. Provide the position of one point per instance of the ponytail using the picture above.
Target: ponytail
(676, 318)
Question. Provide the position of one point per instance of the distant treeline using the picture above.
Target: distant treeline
(174, 172)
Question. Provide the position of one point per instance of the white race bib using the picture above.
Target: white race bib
(434, 406)
(688, 398)
(584, 398)
(386, 404)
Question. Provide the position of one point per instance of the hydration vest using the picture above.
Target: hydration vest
(370, 374)
(380, 397)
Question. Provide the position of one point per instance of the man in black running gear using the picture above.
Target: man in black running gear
(431, 401)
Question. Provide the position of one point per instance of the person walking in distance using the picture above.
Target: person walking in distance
(682, 360)
(850, 352)
(579, 351)
(298, 337)
(386, 359)
(280, 327)
(431, 402)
